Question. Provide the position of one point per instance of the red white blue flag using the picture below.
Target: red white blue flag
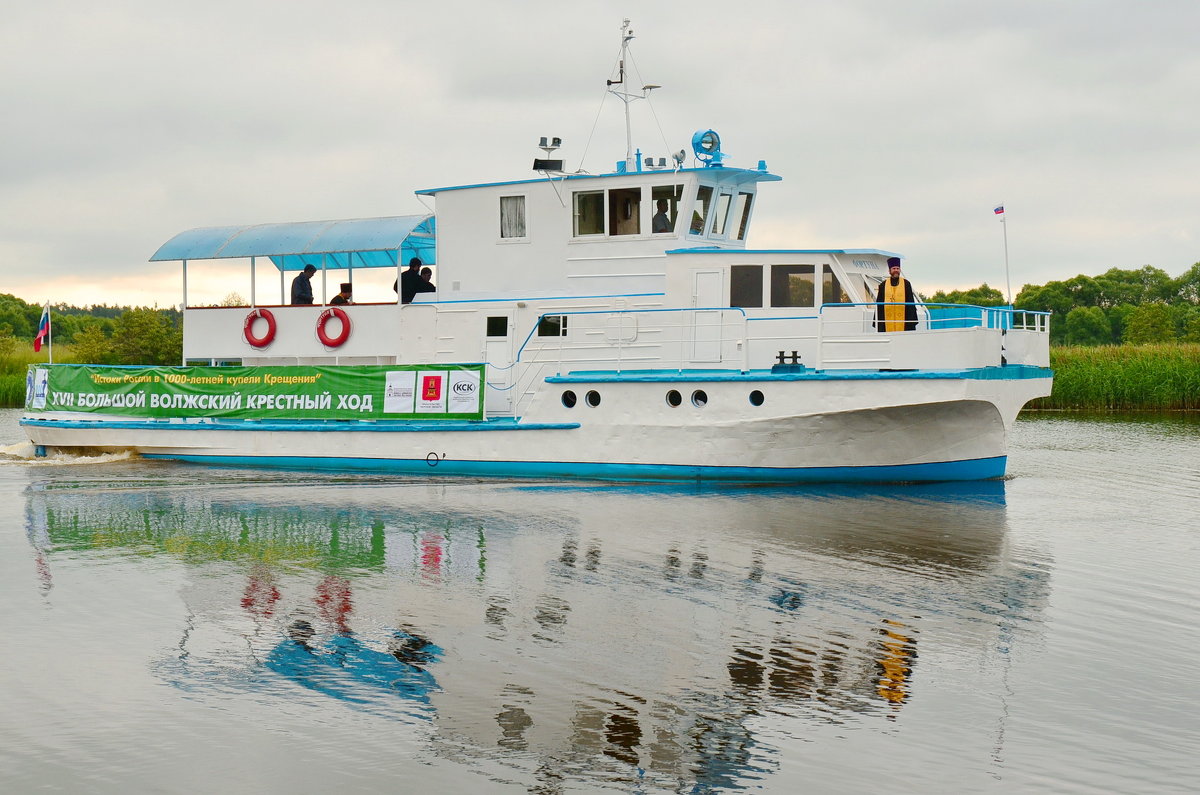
(999, 210)
(43, 331)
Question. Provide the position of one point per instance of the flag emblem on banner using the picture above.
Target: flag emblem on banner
(43, 328)
(999, 210)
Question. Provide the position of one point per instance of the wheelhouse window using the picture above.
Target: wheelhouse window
(625, 211)
(793, 285)
(700, 211)
(741, 212)
(666, 207)
(552, 326)
(721, 216)
(512, 216)
(746, 285)
(832, 291)
(589, 212)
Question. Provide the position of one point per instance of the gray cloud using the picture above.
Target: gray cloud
(894, 125)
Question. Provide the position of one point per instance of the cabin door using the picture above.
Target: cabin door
(707, 292)
(498, 353)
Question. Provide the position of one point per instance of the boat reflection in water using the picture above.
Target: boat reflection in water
(566, 632)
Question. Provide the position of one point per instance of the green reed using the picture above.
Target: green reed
(1157, 377)
(13, 366)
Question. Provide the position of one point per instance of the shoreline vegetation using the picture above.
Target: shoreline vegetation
(1155, 377)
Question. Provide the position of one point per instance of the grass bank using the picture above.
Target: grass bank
(1164, 377)
(12, 373)
(1159, 377)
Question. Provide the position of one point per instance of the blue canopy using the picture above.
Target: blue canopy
(354, 243)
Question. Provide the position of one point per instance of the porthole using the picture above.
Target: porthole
(699, 398)
(568, 399)
(756, 398)
(674, 398)
(592, 398)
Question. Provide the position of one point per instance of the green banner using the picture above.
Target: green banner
(384, 391)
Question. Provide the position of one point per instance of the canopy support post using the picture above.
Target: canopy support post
(185, 303)
(252, 303)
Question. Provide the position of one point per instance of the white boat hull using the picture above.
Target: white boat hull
(901, 427)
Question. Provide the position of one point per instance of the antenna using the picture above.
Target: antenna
(625, 96)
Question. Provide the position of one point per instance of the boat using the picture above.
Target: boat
(612, 326)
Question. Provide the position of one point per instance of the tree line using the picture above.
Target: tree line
(1118, 306)
(98, 334)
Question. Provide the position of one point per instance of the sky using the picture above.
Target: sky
(895, 125)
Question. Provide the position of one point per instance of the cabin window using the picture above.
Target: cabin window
(721, 216)
(741, 211)
(746, 285)
(512, 216)
(700, 211)
(589, 213)
(552, 326)
(497, 326)
(625, 211)
(831, 289)
(665, 214)
(793, 285)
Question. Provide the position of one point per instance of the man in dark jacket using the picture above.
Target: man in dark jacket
(411, 283)
(302, 286)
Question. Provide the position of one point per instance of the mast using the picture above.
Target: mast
(625, 97)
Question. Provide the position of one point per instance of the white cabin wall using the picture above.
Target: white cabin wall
(473, 256)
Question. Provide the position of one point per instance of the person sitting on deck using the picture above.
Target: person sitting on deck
(427, 275)
(896, 308)
(344, 296)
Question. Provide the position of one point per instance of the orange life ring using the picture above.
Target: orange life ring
(248, 328)
(340, 314)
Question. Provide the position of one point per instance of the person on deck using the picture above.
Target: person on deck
(410, 282)
(345, 296)
(302, 286)
(896, 308)
(427, 275)
(661, 221)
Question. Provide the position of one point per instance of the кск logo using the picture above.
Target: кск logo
(464, 388)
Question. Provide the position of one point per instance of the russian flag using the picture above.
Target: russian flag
(43, 328)
(999, 210)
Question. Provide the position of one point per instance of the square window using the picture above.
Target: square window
(589, 213)
(793, 285)
(552, 326)
(497, 326)
(746, 285)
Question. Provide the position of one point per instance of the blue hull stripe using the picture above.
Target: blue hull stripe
(1018, 372)
(974, 469)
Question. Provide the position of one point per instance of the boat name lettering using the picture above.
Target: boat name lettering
(131, 400)
(222, 402)
(867, 264)
(464, 388)
(290, 402)
(359, 402)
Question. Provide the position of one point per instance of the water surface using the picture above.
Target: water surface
(177, 628)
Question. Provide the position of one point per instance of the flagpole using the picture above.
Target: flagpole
(1007, 280)
(1004, 226)
(50, 333)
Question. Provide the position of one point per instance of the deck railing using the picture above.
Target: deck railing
(835, 336)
